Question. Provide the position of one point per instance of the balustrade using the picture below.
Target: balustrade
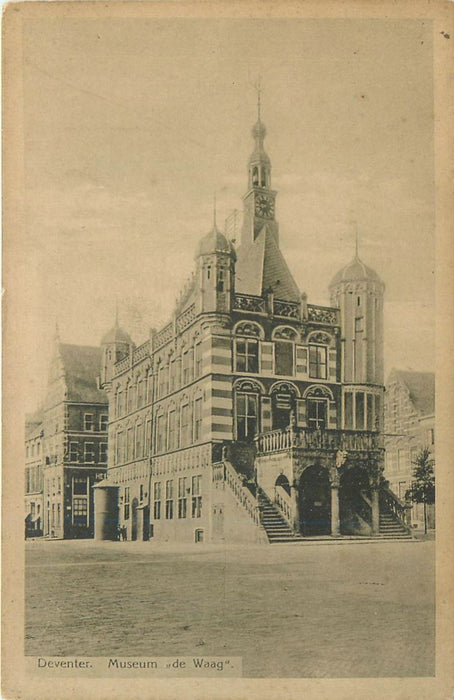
(122, 365)
(164, 336)
(141, 352)
(224, 471)
(312, 439)
(284, 502)
(322, 314)
(249, 302)
(186, 318)
(392, 503)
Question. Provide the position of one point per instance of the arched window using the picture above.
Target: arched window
(255, 176)
(317, 401)
(171, 434)
(139, 441)
(284, 351)
(247, 347)
(246, 410)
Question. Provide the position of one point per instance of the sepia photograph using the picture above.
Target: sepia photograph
(226, 430)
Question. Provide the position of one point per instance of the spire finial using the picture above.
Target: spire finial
(57, 331)
(116, 314)
(258, 87)
(356, 241)
(214, 211)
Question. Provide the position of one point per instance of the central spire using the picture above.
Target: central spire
(259, 163)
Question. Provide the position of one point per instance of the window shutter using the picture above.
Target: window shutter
(332, 356)
(266, 358)
(301, 413)
(301, 361)
(266, 414)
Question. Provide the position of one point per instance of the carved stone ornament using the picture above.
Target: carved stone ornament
(318, 391)
(285, 334)
(322, 338)
(248, 329)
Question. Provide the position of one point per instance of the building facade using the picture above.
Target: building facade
(72, 439)
(252, 414)
(34, 475)
(409, 428)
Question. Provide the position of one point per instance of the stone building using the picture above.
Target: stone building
(34, 474)
(73, 442)
(409, 427)
(252, 415)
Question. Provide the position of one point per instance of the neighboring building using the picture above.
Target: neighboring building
(409, 427)
(34, 475)
(73, 442)
(251, 414)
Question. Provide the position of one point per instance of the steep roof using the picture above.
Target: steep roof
(82, 365)
(421, 386)
(262, 267)
(33, 423)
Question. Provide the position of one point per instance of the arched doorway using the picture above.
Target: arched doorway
(134, 506)
(354, 510)
(315, 501)
(284, 482)
(283, 401)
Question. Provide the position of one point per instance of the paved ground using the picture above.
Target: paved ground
(362, 610)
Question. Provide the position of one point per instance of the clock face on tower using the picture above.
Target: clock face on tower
(264, 206)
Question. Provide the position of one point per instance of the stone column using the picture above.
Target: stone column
(335, 521)
(375, 513)
(295, 508)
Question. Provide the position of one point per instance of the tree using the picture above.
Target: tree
(422, 489)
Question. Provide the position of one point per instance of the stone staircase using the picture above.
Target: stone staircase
(276, 527)
(391, 528)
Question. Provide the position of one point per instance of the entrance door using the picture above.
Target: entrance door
(282, 403)
(315, 502)
(134, 506)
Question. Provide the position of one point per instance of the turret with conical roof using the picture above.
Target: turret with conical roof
(216, 259)
(115, 345)
(357, 291)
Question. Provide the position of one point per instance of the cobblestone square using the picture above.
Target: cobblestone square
(361, 610)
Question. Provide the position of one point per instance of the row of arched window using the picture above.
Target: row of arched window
(179, 370)
(136, 394)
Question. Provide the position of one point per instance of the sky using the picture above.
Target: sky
(132, 125)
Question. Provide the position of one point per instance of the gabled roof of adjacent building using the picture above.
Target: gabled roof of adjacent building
(421, 388)
(81, 365)
(261, 268)
(33, 423)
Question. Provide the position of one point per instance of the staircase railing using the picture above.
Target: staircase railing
(225, 471)
(284, 502)
(390, 502)
(364, 508)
